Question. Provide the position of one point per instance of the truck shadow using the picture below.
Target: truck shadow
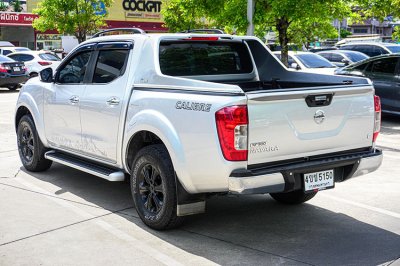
(7, 91)
(249, 230)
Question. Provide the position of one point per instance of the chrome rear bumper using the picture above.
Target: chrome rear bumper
(289, 177)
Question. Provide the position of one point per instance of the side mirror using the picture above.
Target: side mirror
(345, 62)
(295, 66)
(46, 75)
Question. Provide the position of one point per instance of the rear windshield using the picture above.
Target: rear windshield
(314, 61)
(49, 57)
(196, 58)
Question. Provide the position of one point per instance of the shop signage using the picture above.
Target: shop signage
(136, 11)
(18, 19)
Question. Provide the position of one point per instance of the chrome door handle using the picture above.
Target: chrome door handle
(74, 99)
(113, 101)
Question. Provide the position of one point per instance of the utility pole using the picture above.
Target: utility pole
(250, 13)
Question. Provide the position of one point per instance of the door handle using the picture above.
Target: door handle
(113, 101)
(74, 99)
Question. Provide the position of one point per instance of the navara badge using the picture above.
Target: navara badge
(319, 116)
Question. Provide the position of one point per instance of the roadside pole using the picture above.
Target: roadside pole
(250, 13)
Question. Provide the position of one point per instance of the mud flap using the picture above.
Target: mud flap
(188, 204)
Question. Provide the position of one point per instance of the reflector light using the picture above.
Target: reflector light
(44, 63)
(378, 110)
(232, 125)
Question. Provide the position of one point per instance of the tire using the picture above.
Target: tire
(294, 197)
(13, 88)
(30, 148)
(153, 188)
(33, 74)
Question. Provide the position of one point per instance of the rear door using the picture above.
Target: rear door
(102, 102)
(290, 124)
(385, 75)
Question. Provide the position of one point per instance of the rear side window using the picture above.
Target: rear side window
(6, 52)
(110, 65)
(197, 58)
(49, 57)
(383, 66)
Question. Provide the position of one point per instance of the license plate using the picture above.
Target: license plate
(17, 69)
(319, 180)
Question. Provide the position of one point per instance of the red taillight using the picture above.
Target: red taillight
(3, 69)
(378, 110)
(232, 124)
(44, 63)
(202, 39)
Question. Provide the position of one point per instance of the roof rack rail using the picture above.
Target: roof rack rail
(129, 30)
(213, 31)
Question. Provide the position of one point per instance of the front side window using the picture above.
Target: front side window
(337, 58)
(327, 56)
(110, 65)
(74, 70)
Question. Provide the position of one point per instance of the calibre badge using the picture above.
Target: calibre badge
(319, 117)
(193, 106)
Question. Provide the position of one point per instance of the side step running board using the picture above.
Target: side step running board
(85, 166)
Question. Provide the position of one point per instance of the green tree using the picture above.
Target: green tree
(17, 7)
(3, 6)
(75, 17)
(380, 9)
(297, 21)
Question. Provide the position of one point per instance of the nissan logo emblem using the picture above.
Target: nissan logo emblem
(319, 116)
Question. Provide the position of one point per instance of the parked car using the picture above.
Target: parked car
(12, 73)
(373, 48)
(384, 71)
(308, 62)
(322, 48)
(35, 61)
(172, 113)
(342, 58)
(8, 48)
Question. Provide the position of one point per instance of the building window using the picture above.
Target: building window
(360, 30)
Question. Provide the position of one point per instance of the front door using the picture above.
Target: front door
(62, 100)
(103, 100)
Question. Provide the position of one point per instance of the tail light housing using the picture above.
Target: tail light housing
(4, 69)
(232, 123)
(378, 111)
(44, 63)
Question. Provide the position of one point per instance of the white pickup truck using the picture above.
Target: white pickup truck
(187, 116)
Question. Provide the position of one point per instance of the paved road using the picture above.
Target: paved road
(65, 217)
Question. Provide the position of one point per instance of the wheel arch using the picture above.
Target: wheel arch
(32, 110)
(152, 127)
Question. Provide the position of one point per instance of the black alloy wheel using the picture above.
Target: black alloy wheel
(26, 143)
(30, 148)
(151, 189)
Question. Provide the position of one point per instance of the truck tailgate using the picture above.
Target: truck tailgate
(290, 124)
